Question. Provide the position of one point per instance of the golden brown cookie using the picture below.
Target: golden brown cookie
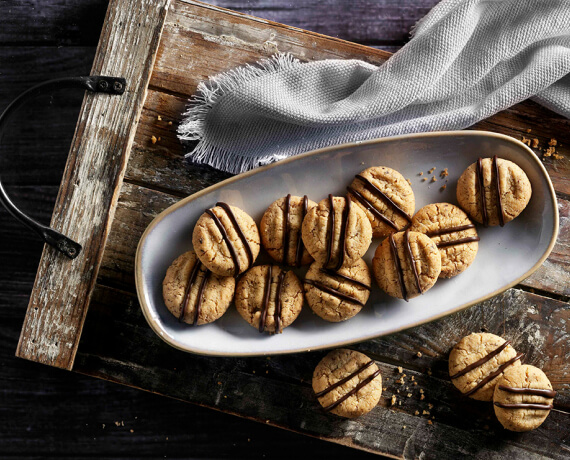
(386, 198)
(347, 383)
(523, 398)
(281, 230)
(193, 293)
(269, 298)
(452, 232)
(337, 296)
(338, 237)
(478, 361)
(504, 193)
(406, 264)
(226, 240)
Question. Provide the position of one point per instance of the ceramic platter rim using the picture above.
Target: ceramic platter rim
(148, 309)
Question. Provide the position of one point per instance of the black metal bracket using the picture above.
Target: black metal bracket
(96, 84)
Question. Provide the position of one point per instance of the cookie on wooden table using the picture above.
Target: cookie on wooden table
(336, 232)
(453, 233)
(337, 295)
(281, 230)
(477, 363)
(493, 191)
(406, 264)
(386, 197)
(193, 293)
(347, 383)
(269, 298)
(226, 240)
(523, 398)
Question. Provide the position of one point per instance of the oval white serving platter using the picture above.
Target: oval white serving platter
(506, 255)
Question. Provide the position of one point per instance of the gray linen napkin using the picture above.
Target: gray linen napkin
(467, 60)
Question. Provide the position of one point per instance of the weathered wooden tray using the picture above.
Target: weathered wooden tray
(116, 180)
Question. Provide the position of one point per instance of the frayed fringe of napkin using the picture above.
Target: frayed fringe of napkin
(192, 127)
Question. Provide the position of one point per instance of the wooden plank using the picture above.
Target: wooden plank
(93, 176)
(538, 326)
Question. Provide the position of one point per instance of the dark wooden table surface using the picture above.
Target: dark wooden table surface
(49, 412)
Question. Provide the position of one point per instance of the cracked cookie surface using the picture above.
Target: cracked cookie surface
(340, 365)
(182, 285)
(226, 257)
(337, 296)
(385, 217)
(272, 306)
(514, 185)
(396, 275)
(435, 220)
(351, 234)
(274, 224)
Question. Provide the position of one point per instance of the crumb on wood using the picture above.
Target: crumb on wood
(422, 397)
(159, 138)
(415, 383)
(430, 406)
(526, 141)
(412, 378)
(557, 156)
(535, 143)
(429, 372)
(399, 403)
(400, 369)
(425, 412)
(403, 427)
(219, 383)
(430, 422)
(549, 151)
(552, 142)
(409, 395)
(132, 431)
(169, 123)
(417, 412)
(419, 354)
(528, 130)
(444, 173)
(394, 399)
(153, 139)
(159, 118)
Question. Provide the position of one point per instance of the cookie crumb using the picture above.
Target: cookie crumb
(421, 173)
(431, 170)
(219, 383)
(403, 427)
(421, 391)
(132, 431)
(442, 188)
(153, 139)
(415, 383)
(412, 378)
(400, 369)
(417, 412)
(399, 403)
(429, 372)
(444, 173)
(169, 123)
(433, 179)
(430, 406)
(409, 181)
(424, 179)
(552, 142)
(430, 422)
(526, 141)
(393, 399)
(419, 354)
(422, 397)
(159, 118)
(425, 412)
(557, 156)
(528, 130)
(534, 143)
(409, 395)
(549, 151)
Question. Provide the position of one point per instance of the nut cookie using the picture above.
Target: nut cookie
(386, 198)
(406, 264)
(453, 233)
(337, 296)
(193, 293)
(523, 398)
(281, 230)
(477, 363)
(493, 191)
(269, 298)
(226, 240)
(347, 383)
(336, 233)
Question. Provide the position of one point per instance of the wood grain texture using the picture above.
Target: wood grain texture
(93, 176)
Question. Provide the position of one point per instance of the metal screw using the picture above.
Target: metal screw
(117, 86)
(103, 85)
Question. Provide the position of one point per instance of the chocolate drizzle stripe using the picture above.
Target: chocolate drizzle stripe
(398, 266)
(492, 375)
(469, 239)
(191, 281)
(299, 251)
(355, 390)
(344, 228)
(412, 261)
(286, 228)
(226, 239)
(200, 296)
(500, 211)
(278, 306)
(481, 361)
(330, 231)
(459, 228)
(529, 391)
(479, 174)
(266, 293)
(334, 292)
(376, 191)
(330, 272)
(525, 406)
(239, 231)
(344, 380)
(368, 205)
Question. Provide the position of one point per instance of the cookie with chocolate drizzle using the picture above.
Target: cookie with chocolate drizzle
(269, 298)
(347, 383)
(523, 398)
(386, 198)
(452, 232)
(280, 230)
(406, 264)
(194, 294)
(477, 363)
(336, 233)
(493, 191)
(226, 240)
(337, 295)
